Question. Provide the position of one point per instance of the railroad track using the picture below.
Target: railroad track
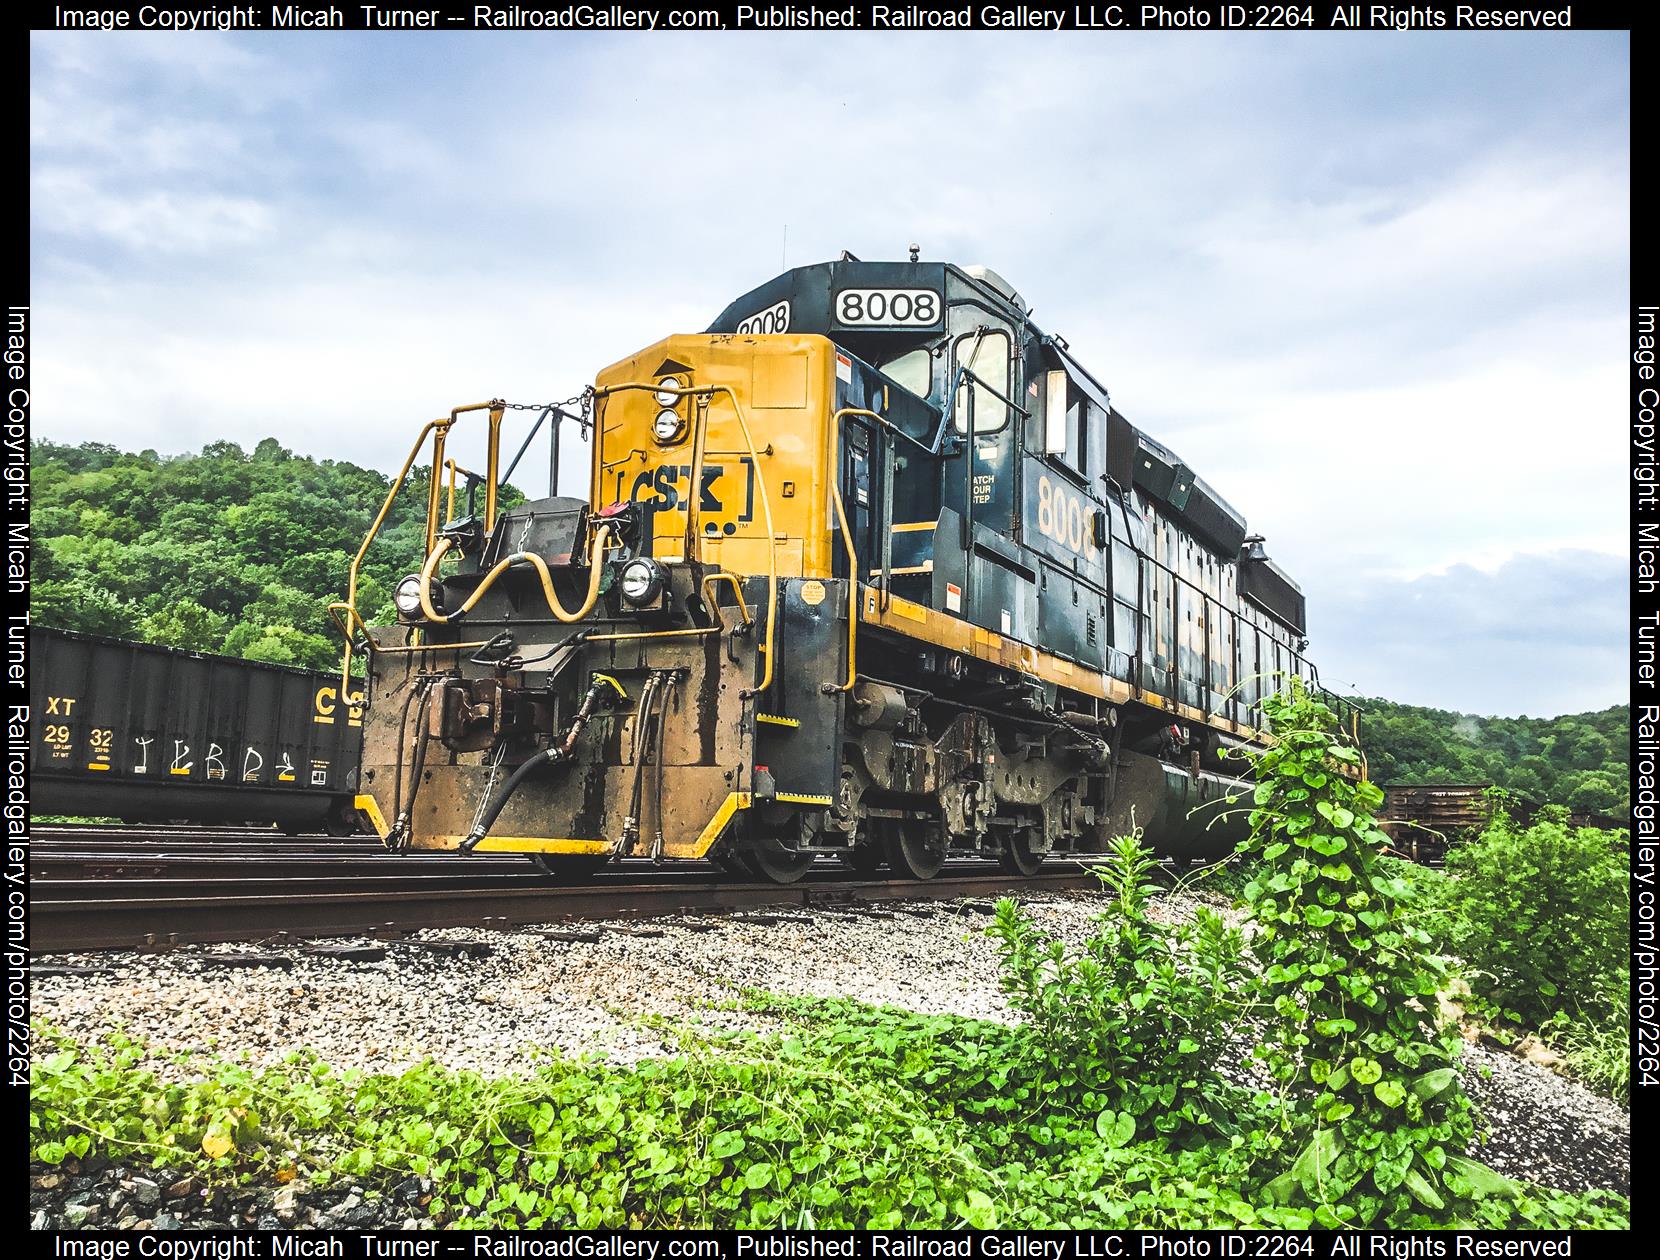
(102, 890)
(90, 838)
(77, 830)
(115, 864)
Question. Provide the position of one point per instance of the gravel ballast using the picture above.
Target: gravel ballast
(532, 992)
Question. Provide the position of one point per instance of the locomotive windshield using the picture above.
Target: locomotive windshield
(913, 369)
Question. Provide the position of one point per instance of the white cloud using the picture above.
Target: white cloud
(61, 125)
(249, 74)
(1373, 292)
(1540, 635)
(294, 363)
(1491, 229)
(73, 203)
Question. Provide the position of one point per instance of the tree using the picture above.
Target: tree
(317, 571)
(1544, 759)
(282, 605)
(1585, 748)
(1542, 915)
(1597, 793)
(81, 604)
(186, 624)
(282, 645)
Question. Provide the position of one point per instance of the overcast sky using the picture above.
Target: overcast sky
(1371, 287)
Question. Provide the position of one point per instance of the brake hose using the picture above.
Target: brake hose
(669, 680)
(642, 732)
(398, 838)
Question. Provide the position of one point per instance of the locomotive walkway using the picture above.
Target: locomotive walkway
(114, 888)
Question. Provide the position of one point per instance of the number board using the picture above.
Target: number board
(1063, 516)
(775, 319)
(887, 308)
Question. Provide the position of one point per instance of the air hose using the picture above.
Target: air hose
(670, 678)
(553, 755)
(398, 837)
(642, 733)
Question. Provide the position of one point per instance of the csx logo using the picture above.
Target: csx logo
(327, 702)
(666, 489)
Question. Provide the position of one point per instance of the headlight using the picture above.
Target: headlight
(641, 581)
(407, 598)
(667, 425)
(668, 391)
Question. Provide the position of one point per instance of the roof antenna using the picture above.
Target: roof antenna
(784, 250)
(916, 251)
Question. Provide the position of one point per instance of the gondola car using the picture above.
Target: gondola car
(146, 733)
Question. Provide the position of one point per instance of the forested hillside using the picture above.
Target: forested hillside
(224, 551)
(237, 552)
(1579, 759)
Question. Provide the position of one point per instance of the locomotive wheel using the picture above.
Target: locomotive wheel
(1016, 856)
(916, 850)
(569, 867)
(776, 866)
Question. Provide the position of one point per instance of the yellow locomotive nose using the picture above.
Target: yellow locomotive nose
(659, 433)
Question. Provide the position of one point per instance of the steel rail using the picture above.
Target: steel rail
(202, 831)
(117, 865)
(116, 922)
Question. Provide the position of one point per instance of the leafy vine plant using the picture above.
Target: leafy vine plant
(1368, 1095)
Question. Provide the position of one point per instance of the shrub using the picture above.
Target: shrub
(764, 1133)
(1370, 1099)
(1543, 916)
(1140, 1013)
(1103, 1109)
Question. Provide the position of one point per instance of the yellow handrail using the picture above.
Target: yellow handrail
(433, 483)
(455, 471)
(439, 429)
(737, 589)
(853, 592)
(694, 492)
(381, 649)
(651, 634)
(350, 602)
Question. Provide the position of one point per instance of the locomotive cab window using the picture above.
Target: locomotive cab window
(913, 370)
(986, 354)
(1067, 416)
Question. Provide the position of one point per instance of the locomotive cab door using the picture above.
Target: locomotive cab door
(978, 481)
(858, 478)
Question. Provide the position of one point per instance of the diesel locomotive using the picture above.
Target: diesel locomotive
(871, 568)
